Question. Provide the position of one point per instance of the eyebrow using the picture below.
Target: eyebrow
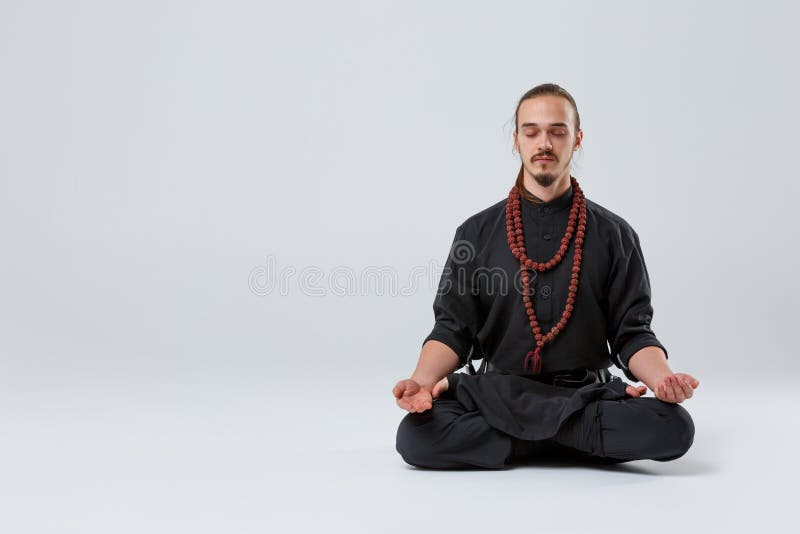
(529, 124)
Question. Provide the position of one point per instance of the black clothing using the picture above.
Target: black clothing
(452, 436)
(526, 408)
(505, 414)
(479, 309)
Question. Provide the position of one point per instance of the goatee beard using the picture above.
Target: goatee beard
(545, 179)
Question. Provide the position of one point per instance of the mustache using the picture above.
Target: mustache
(544, 155)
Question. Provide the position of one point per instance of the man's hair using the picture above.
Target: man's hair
(548, 89)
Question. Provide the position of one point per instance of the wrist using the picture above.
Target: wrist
(427, 381)
(649, 365)
(654, 379)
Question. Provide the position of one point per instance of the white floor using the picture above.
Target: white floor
(239, 457)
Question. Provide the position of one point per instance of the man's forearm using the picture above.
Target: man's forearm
(436, 361)
(649, 364)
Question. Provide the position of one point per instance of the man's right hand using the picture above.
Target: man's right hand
(415, 398)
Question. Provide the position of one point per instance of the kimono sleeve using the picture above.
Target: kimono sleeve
(629, 309)
(456, 307)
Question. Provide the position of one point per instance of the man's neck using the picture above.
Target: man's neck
(546, 194)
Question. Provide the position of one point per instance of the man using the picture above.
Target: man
(539, 285)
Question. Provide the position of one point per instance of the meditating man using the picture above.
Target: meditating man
(540, 286)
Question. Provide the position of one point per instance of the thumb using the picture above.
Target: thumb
(440, 387)
(632, 391)
(405, 388)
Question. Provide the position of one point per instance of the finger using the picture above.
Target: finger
(676, 388)
(661, 391)
(687, 388)
(402, 389)
(669, 395)
(631, 391)
(692, 381)
(673, 389)
(680, 386)
(443, 386)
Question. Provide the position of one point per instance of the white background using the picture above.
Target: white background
(156, 157)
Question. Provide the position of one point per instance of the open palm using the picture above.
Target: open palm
(415, 398)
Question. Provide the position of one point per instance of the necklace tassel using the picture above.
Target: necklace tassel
(535, 357)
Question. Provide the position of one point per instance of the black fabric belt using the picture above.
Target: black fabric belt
(572, 378)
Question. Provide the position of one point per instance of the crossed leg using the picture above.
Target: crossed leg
(634, 428)
(448, 436)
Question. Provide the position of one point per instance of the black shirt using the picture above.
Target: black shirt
(479, 310)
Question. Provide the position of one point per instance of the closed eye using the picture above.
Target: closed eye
(558, 134)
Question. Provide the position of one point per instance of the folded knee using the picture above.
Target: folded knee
(677, 433)
(646, 428)
(413, 442)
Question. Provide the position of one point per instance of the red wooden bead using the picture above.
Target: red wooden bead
(516, 241)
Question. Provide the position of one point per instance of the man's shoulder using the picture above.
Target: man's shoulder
(610, 223)
(605, 214)
(488, 214)
(486, 218)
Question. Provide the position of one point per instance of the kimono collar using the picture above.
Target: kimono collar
(557, 204)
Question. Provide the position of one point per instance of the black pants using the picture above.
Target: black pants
(605, 431)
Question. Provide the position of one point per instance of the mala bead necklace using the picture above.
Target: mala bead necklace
(516, 241)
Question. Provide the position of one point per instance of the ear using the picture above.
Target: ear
(516, 144)
(578, 140)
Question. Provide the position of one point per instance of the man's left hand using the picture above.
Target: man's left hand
(675, 387)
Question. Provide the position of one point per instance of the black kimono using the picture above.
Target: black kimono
(479, 313)
(612, 304)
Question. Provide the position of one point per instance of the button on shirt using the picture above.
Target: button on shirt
(478, 308)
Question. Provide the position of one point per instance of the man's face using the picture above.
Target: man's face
(546, 137)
